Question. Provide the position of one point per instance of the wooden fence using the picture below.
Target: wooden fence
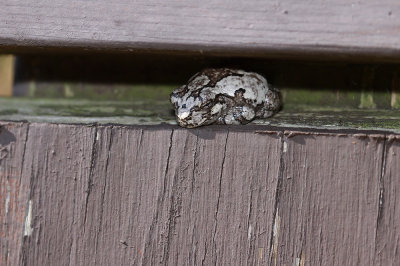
(84, 192)
(115, 195)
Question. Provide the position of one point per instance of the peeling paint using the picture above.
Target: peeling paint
(284, 146)
(7, 200)
(249, 232)
(28, 221)
(8, 196)
(303, 259)
(300, 261)
(276, 230)
(260, 255)
(97, 136)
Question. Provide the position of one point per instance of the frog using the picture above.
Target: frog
(224, 96)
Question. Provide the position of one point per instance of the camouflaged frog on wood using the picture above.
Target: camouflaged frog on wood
(224, 96)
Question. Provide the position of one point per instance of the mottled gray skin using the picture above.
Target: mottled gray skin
(224, 96)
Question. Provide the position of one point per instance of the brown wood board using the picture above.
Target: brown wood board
(388, 237)
(117, 195)
(340, 28)
(57, 163)
(14, 192)
(328, 202)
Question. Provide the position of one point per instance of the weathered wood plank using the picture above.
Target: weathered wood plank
(57, 163)
(115, 195)
(298, 115)
(225, 27)
(388, 234)
(194, 195)
(328, 203)
(126, 196)
(14, 192)
(247, 199)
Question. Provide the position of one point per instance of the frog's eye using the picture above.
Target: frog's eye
(184, 106)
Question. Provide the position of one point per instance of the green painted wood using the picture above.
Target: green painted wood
(147, 112)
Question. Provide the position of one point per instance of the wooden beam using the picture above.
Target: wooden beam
(117, 195)
(147, 112)
(259, 28)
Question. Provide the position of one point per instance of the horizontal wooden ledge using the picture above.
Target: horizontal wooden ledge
(208, 132)
(143, 113)
(255, 28)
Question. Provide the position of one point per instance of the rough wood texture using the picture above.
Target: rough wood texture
(329, 198)
(388, 235)
(286, 27)
(14, 191)
(57, 163)
(148, 112)
(115, 195)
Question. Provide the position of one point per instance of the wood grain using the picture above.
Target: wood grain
(328, 204)
(247, 201)
(57, 163)
(147, 195)
(388, 236)
(14, 191)
(263, 28)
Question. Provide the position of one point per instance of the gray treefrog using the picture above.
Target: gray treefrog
(224, 96)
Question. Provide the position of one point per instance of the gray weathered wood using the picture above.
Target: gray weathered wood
(117, 195)
(388, 235)
(247, 201)
(14, 192)
(253, 27)
(57, 163)
(328, 204)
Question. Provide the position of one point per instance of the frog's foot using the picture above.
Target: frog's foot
(238, 115)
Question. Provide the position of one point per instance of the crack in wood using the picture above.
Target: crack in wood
(287, 220)
(24, 150)
(110, 141)
(192, 184)
(249, 234)
(381, 198)
(272, 258)
(218, 200)
(91, 171)
(171, 218)
(160, 198)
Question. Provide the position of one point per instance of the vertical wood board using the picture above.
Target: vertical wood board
(14, 191)
(388, 234)
(247, 199)
(57, 163)
(328, 202)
